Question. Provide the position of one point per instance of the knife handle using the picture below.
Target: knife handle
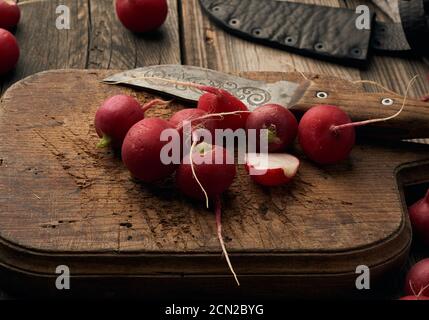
(412, 123)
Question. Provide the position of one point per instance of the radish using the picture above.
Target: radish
(414, 298)
(221, 101)
(215, 100)
(319, 139)
(417, 281)
(280, 122)
(272, 169)
(419, 216)
(142, 15)
(196, 117)
(327, 135)
(214, 177)
(9, 51)
(9, 14)
(141, 150)
(206, 173)
(116, 116)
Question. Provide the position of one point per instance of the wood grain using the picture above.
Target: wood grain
(96, 39)
(64, 200)
(202, 44)
(207, 45)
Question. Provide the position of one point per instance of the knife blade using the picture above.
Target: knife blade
(251, 92)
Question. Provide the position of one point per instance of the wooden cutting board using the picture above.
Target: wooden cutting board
(65, 202)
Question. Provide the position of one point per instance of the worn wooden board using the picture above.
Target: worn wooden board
(62, 201)
(208, 46)
(95, 40)
(194, 41)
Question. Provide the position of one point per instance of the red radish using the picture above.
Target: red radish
(194, 116)
(221, 101)
(9, 51)
(142, 15)
(318, 138)
(233, 112)
(214, 177)
(207, 172)
(417, 281)
(419, 216)
(272, 169)
(280, 122)
(116, 116)
(9, 14)
(327, 135)
(141, 150)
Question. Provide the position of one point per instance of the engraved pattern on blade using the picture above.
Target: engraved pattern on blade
(252, 93)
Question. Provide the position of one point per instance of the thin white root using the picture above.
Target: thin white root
(362, 123)
(423, 290)
(194, 174)
(412, 288)
(219, 234)
(296, 69)
(377, 85)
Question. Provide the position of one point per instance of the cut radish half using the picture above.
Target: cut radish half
(272, 169)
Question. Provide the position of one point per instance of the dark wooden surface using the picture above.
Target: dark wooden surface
(66, 202)
(97, 40)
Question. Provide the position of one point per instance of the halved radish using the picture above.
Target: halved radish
(272, 169)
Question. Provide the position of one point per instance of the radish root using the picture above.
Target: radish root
(194, 174)
(297, 70)
(377, 85)
(362, 123)
(421, 290)
(219, 234)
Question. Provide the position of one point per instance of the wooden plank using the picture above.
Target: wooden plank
(112, 46)
(96, 39)
(206, 45)
(45, 47)
(64, 200)
(82, 195)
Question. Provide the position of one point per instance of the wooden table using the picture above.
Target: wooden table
(97, 40)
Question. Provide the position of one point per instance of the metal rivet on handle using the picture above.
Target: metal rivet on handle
(356, 52)
(257, 32)
(319, 46)
(234, 22)
(322, 94)
(290, 40)
(387, 101)
(216, 9)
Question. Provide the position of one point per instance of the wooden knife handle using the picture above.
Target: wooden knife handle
(412, 123)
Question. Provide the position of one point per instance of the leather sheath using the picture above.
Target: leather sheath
(320, 31)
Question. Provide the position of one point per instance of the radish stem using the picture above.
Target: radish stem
(155, 102)
(193, 171)
(104, 142)
(362, 123)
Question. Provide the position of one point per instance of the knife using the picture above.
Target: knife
(291, 91)
(324, 32)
